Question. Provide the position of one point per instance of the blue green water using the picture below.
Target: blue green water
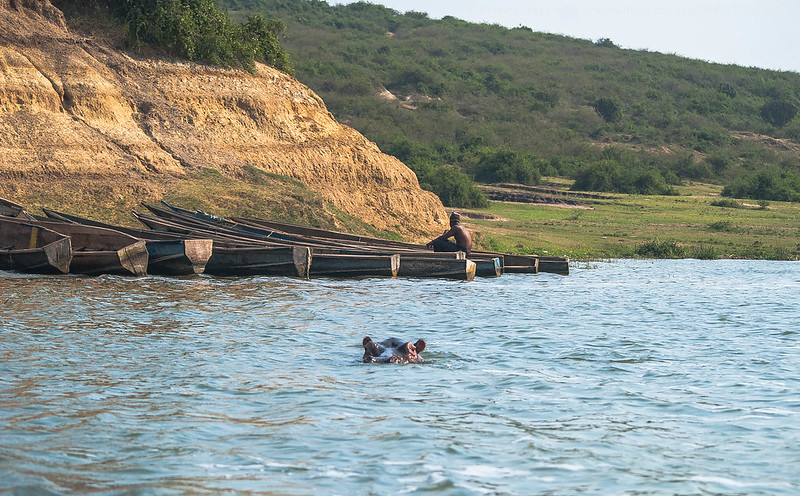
(627, 377)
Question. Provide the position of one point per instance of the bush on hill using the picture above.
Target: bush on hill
(193, 29)
(778, 112)
(771, 183)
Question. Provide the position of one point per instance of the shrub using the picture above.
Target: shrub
(660, 249)
(197, 30)
(727, 89)
(605, 42)
(726, 202)
(778, 112)
(608, 109)
(507, 166)
(722, 226)
(609, 176)
(453, 187)
(703, 252)
(766, 184)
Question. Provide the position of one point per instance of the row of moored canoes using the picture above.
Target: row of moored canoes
(181, 242)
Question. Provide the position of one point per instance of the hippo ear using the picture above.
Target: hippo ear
(406, 348)
(420, 345)
(370, 348)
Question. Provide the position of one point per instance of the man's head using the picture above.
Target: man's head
(455, 218)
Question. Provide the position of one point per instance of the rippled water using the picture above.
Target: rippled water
(628, 377)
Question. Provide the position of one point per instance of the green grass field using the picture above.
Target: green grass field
(683, 226)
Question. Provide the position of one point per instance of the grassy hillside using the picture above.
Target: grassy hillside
(513, 105)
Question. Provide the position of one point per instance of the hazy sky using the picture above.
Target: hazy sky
(757, 33)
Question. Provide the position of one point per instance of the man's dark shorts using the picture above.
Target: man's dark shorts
(443, 245)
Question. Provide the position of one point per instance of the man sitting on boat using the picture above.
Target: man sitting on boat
(456, 231)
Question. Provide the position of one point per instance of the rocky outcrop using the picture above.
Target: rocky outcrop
(74, 111)
(42, 8)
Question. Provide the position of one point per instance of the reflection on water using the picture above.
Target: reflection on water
(630, 377)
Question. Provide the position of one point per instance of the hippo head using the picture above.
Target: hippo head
(392, 350)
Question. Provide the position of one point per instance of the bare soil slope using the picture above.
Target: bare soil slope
(84, 123)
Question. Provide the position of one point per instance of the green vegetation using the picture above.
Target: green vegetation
(504, 104)
(196, 30)
(660, 249)
(769, 183)
(685, 225)
(727, 202)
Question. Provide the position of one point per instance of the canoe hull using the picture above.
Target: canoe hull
(98, 250)
(28, 248)
(178, 257)
(488, 267)
(130, 260)
(54, 258)
(290, 261)
(168, 255)
(554, 265)
(445, 268)
(342, 265)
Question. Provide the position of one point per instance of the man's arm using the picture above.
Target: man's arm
(447, 234)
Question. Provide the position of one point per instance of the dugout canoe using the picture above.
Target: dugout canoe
(517, 264)
(32, 249)
(97, 250)
(424, 266)
(11, 209)
(488, 267)
(554, 265)
(289, 261)
(353, 265)
(234, 255)
(229, 227)
(204, 221)
(530, 264)
(318, 233)
(168, 255)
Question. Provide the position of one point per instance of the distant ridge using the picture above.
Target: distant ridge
(512, 104)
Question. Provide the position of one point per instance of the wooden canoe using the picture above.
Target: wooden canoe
(229, 260)
(554, 265)
(11, 209)
(353, 265)
(315, 232)
(488, 267)
(28, 248)
(167, 254)
(423, 266)
(518, 264)
(97, 250)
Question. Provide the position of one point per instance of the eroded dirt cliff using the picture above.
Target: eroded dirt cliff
(81, 121)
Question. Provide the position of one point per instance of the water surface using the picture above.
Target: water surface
(628, 377)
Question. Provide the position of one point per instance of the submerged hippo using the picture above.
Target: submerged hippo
(393, 350)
